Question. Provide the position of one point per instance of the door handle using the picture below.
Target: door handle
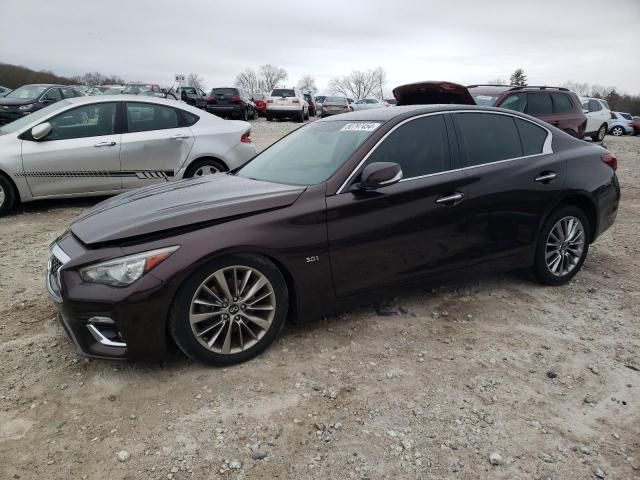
(454, 198)
(105, 144)
(179, 136)
(546, 177)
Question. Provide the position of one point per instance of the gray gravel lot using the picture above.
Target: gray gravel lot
(491, 377)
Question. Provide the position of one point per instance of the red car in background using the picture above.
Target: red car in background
(312, 104)
(260, 99)
(636, 125)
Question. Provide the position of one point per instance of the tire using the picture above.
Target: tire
(206, 166)
(306, 116)
(300, 118)
(558, 271)
(269, 118)
(8, 195)
(201, 294)
(617, 131)
(255, 114)
(600, 134)
(245, 114)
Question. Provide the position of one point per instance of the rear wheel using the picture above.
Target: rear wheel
(8, 195)
(269, 118)
(301, 116)
(245, 114)
(230, 310)
(562, 246)
(207, 166)
(255, 114)
(617, 131)
(600, 134)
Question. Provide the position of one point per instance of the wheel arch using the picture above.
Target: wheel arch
(188, 165)
(584, 203)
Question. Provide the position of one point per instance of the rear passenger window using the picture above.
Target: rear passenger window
(539, 104)
(420, 147)
(142, 117)
(561, 103)
(594, 106)
(487, 138)
(531, 136)
(189, 118)
(516, 102)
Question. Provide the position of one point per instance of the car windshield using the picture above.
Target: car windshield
(258, 96)
(485, 100)
(283, 92)
(33, 117)
(137, 88)
(112, 91)
(335, 100)
(28, 91)
(309, 155)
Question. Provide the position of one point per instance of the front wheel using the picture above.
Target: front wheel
(617, 131)
(562, 246)
(230, 310)
(207, 166)
(8, 195)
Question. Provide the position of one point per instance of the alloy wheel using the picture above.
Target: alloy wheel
(206, 170)
(565, 245)
(601, 133)
(232, 309)
(617, 131)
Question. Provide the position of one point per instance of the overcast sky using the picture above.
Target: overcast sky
(593, 41)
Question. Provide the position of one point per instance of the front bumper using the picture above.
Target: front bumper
(10, 116)
(108, 322)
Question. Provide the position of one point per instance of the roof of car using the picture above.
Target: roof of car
(389, 113)
(45, 85)
(125, 98)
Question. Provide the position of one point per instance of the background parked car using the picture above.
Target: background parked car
(312, 104)
(30, 98)
(621, 124)
(369, 103)
(102, 145)
(147, 89)
(598, 117)
(334, 106)
(287, 103)
(193, 96)
(4, 91)
(351, 102)
(102, 89)
(319, 100)
(260, 101)
(636, 125)
(117, 90)
(231, 102)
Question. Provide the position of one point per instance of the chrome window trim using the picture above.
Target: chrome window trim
(546, 147)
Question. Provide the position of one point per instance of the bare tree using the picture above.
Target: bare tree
(307, 84)
(271, 76)
(497, 81)
(248, 79)
(359, 84)
(582, 89)
(195, 80)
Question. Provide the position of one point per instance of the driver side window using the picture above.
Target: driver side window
(420, 147)
(87, 121)
(53, 94)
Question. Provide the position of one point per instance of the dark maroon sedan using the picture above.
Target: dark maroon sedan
(333, 214)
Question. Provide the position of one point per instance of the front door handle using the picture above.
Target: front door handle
(179, 136)
(450, 199)
(546, 177)
(105, 144)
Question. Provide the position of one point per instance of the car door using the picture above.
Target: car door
(407, 229)
(53, 95)
(80, 155)
(513, 178)
(155, 143)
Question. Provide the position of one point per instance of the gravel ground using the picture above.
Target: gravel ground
(493, 377)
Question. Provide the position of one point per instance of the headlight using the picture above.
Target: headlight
(26, 107)
(123, 271)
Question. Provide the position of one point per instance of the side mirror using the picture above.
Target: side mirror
(41, 131)
(380, 174)
(584, 110)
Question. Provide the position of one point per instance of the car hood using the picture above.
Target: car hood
(174, 205)
(16, 101)
(432, 92)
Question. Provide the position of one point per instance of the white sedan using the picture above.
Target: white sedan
(104, 145)
(368, 103)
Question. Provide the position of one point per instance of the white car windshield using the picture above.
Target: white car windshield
(309, 155)
(28, 91)
(33, 117)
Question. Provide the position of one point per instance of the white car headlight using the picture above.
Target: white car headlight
(29, 106)
(123, 271)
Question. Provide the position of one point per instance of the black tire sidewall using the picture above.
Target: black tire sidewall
(540, 268)
(9, 195)
(180, 328)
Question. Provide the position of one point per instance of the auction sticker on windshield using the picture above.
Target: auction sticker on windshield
(360, 127)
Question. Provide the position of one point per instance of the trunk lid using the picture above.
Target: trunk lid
(432, 92)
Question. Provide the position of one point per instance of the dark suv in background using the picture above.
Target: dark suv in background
(555, 105)
(193, 96)
(231, 102)
(30, 98)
